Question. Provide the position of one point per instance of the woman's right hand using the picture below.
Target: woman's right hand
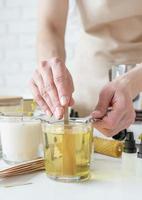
(52, 87)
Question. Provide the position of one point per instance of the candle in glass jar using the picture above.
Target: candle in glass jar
(21, 140)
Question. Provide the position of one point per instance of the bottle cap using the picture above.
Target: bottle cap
(139, 154)
(72, 113)
(121, 135)
(129, 143)
(76, 115)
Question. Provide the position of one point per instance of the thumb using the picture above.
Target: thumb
(105, 99)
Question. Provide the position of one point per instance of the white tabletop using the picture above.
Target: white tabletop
(108, 181)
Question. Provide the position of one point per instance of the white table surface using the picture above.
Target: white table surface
(108, 182)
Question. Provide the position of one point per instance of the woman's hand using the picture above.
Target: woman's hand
(114, 111)
(52, 87)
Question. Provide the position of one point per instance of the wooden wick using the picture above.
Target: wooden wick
(69, 163)
(66, 116)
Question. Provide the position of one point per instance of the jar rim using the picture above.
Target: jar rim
(17, 118)
(72, 121)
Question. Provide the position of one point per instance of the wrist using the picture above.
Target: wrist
(45, 56)
(134, 78)
(125, 83)
(49, 48)
(52, 52)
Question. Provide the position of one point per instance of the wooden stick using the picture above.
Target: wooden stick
(66, 116)
(69, 163)
(21, 165)
(23, 168)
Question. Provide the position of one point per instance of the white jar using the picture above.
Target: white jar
(21, 138)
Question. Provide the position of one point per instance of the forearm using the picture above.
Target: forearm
(134, 79)
(51, 29)
(50, 45)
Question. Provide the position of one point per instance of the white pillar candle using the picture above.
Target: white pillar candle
(21, 140)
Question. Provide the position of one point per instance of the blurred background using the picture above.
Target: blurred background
(18, 29)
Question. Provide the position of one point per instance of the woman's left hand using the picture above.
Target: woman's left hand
(114, 111)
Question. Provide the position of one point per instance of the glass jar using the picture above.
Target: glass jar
(11, 105)
(29, 106)
(68, 149)
(21, 138)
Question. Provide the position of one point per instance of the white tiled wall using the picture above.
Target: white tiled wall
(17, 43)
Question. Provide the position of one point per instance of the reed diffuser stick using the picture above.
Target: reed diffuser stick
(68, 148)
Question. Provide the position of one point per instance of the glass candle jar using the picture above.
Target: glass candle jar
(11, 105)
(21, 138)
(68, 150)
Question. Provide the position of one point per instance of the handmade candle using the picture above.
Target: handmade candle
(21, 138)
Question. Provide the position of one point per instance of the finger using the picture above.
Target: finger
(71, 102)
(61, 81)
(105, 131)
(124, 123)
(108, 132)
(48, 82)
(50, 87)
(109, 123)
(47, 99)
(105, 99)
(39, 83)
(40, 101)
(118, 111)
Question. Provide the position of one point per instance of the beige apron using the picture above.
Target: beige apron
(112, 34)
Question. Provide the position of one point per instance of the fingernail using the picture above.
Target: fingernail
(58, 112)
(64, 100)
(96, 114)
